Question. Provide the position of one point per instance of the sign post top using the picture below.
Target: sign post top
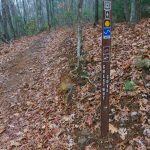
(107, 5)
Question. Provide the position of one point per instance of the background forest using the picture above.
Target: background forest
(27, 17)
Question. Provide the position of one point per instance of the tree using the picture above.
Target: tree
(40, 20)
(1, 31)
(135, 11)
(48, 13)
(127, 9)
(138, 9)
(79, 30)
(4, 20)
(96, 13)
(52, 12)
(24, 12)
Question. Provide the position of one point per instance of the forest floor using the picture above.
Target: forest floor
(34, 114)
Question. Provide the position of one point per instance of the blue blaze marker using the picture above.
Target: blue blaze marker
(107, 33)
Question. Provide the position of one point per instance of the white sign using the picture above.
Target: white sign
(107, 14)
(107, 5)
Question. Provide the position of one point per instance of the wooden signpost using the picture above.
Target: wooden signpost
(106, 49)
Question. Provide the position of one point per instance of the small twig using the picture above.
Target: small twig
(84, 77)
(144, 84)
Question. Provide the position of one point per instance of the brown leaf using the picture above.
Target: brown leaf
(90, 148)
(129, 148)
(112, 129)
(14, 143)
(2, 129)
(89, 120)
(97, 96)
(148, 77)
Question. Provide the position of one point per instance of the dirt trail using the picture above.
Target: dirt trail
(20, 70)
(28, 81)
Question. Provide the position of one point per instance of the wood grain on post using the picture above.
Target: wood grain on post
(105, 75)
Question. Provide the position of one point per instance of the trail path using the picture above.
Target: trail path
(28, 94)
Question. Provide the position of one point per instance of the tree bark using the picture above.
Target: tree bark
(39, 14)
(127, 10)
(96, 13)
(4, 20)
(9, 18)
(17, 3)
(79, 30)
(135, 11)
(14, 13)
(24, 12)
(48, 13)
(138, 10)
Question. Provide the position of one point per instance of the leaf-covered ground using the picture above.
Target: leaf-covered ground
(34, 113)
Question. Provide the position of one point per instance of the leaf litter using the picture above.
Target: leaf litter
(33, 114)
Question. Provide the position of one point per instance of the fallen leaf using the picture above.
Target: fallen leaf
(148, 77)
(89, 120)
(129, 148)
(2, 129)
(123, 133)
(14, 143)
(90, 148)
(112, 129)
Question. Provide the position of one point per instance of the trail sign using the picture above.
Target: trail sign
(106, 33)
(107, 4)
(107, 14)
(107, 23)
(105, 75)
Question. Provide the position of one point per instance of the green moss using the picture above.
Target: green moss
(129, 85)
(143, 63)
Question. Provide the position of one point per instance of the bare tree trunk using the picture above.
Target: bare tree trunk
(135, 11)
(4, 20)
(13, 11)
(2, 38)
(17, 3)
(79, 30)
(24, 12)
(126, 9)
(96, 13)
(48, 13)
(52, 12)
(71, 12)
(138, 10)
(9, 19)
(39, 14)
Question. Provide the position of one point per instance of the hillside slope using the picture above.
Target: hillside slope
(34, 115)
